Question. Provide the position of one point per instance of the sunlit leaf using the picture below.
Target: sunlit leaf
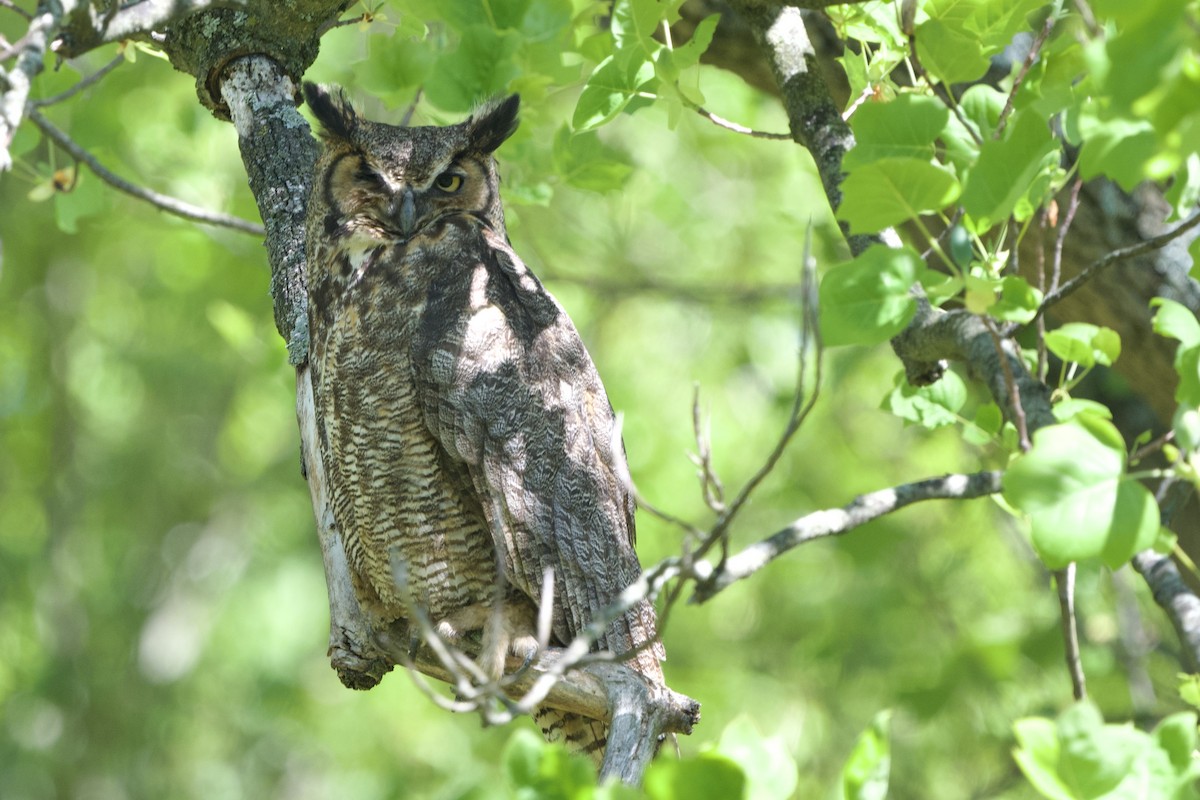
(891, 190)
(1080, 503)
(867, 771)
(868, 300)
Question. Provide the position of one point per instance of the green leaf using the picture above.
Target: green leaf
(893, 190)
(546, 19)
(1019, 302)
(867, 771)
(769, 769)
(706, 777)
(587, 163)
(481, 66)
(1037, 755)
(948, 53)
(688, 54)
(1175, 321)
(522, 758)
(1072, 407)
(609, 89)
(867, 300)
(1094, 758)
(634, 22)
(1006, 170)
(538, 770)
(1176, 736)
(996, 22)
(1189, 689)
(987, 423)
(933, 406)
(1118, 149)
(1186, 425)
(1079, 502)
(1085, 344)
(906, 127)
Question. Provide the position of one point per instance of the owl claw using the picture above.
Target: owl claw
(514, 634)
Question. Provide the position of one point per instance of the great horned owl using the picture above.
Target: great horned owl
(466, 436)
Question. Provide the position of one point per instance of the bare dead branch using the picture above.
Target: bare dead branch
(837, 521)
(803, 399)
(735, 127)
(169, 204)
(711, 487)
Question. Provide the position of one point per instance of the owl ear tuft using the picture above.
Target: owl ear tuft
(493, 122)
(332, 109)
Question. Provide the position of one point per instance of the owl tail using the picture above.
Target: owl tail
(579, 734)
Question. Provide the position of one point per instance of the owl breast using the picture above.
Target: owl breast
(409, 522)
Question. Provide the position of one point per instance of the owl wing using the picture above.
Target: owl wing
(509, 390)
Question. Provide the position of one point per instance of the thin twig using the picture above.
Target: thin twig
(1064, 582)
(407, 116)
(735, 127)
(803, 400)
(1117, 256)
(169, 204)
(941, 91)
(1010, 383)
(710, 484)
(1042, 354)
(1061, 238)
(1030, 58)
(11, 6)
(83, 83)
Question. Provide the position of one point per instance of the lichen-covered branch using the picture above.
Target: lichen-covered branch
(1176, 599)
(92, 25)
(15, 82)
(71, 28)
(279, 152)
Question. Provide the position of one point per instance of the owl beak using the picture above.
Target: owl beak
(406, 212)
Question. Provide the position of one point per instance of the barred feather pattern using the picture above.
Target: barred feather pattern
(463, 426)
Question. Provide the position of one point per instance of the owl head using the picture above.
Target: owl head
(392, 181)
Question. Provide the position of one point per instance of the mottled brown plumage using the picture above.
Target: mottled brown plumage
(463, 425)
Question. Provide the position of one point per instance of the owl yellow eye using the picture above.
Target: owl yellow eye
(448, 182)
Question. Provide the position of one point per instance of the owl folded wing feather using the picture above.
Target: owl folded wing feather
(509, 389)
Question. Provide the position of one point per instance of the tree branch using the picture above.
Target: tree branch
(1172, 594)
(279, 154)
(169, 204)
(1064, 583)
(15, 83)
(1115, 257)
(835, 522)
(88, 27)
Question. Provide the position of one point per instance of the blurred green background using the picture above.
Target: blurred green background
(163, 620)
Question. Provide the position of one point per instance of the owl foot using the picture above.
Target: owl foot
(514, 634)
